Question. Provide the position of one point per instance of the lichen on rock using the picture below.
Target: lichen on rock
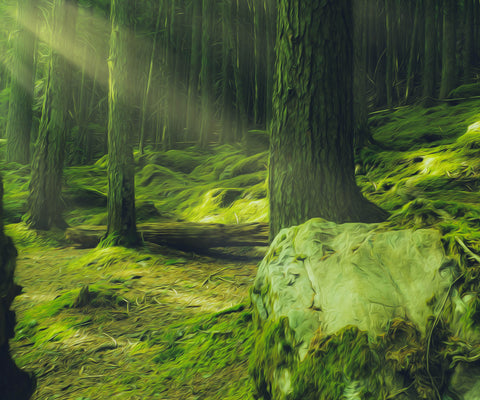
(357, 307)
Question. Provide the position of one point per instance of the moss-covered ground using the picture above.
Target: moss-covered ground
(159, 323)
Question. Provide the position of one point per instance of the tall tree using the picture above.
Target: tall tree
(226, 134)
(468, 45)
(19, 121)
(195, 63)
(449, 59)
(430, 54)
(44, 200)
(206, 72)
(260, 61)
(121, 225)
(311, 170)
(270, 29)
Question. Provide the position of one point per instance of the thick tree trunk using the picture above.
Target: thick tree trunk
(19, 120)
(449, 71)
(429, 70)
(44, 200)
(121, 228)
(311, 170)
(14, 383)
(184, 235)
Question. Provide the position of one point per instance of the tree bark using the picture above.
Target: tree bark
(429, 70)
(360, 73)
(270, 18)
(15, 384)
(121, 227)
(449, 71)
(311, 172)
(468, 41)
(192, 130)
(44, 200)
(260, 62)
(226, 134)
(19, 119)
(184, 235)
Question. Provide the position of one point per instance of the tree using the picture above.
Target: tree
(449, 58)
(15, 384)
(206, 72)
(44, 200)
(195, 62)
(311, 172)
(19, 121)
(430, 54)
(121, 226)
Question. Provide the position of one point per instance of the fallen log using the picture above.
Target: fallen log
(183, 235)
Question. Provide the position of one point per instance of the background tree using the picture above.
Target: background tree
(21, 96)
(44, 200)
(121, 226)
(449, 59)
(311, 155)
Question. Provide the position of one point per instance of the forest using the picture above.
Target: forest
(153, 154)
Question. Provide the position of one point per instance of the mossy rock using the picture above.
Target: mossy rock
(465, 91)
(80, 196)
(145, 210)
(256, 141)
(176, 160)
(153, 172)
(250, 165)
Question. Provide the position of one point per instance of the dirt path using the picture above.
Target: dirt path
(132, 344)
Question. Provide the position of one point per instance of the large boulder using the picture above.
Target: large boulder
(355, 311)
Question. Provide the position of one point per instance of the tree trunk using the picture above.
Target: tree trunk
(44, 200)
(240, 97)
(468, 41)
(206, 73)
(192, 130)
(226, 134)
(19, 120)
(389, 51)
(412, 56)
(260, 62)
(184, 235)
(311, 170)
(121, 228)
(360, 73)
(449, 71)
(146, 95)
(270, 23)
(381, 59)
(429, 70)
(14, 383)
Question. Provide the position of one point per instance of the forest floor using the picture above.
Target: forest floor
(158, 323)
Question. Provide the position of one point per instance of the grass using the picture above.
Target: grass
(149, 324)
